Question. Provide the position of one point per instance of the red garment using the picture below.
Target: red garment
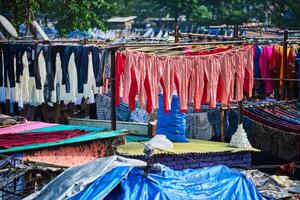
(249, 71)
(207, 52)
(119, 73)
(9, 140)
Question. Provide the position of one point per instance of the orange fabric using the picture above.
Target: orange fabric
(281, 67)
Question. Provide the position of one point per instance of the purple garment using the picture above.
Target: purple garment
(264, 64)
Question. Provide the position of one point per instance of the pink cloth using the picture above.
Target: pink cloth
(198, 79)
(137, 80)
(225, 78)
(212, 72)
(167, 81)
(240, 74)
(131, 62)
(265, 66)
(152, 78)
(198, 76)
(30, 125)
(183, 71)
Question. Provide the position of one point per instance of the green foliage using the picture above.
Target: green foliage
(67, 15)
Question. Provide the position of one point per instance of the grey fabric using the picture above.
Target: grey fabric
(198, 126)
(75, 179)
(267, 185)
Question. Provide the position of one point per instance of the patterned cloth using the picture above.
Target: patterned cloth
(198, 126)
(103, 104)
(139, 116)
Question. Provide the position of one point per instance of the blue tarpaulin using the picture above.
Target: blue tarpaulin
(219, 182)
(172, 124)
(116, 178)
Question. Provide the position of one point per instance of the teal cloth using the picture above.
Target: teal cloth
(65, 128)
(134, 138)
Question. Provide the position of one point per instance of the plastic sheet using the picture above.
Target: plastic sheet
(219, 182)
(173, 123)
(116, 178)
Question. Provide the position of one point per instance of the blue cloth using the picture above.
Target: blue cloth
(81, 69)
(260, 88)
(9, 182)
(295, 121)
(173, 123)
(8, 61)
(103, 185)
(233, 117)
(139, 116)
(123, 113)
(214, 118)
(50, 69)
(103, 106)
(219, 182)
(231, 120)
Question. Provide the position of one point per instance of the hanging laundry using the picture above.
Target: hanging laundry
(51, 72)
(264, 64)
(197, 79)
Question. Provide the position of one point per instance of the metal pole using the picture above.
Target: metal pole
(113, 89)
(285, 37)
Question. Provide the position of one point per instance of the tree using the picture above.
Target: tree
(66, 15)
(285, 13)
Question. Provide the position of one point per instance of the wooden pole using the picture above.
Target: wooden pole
(113, 89)
(285, 37)
(222, 125)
